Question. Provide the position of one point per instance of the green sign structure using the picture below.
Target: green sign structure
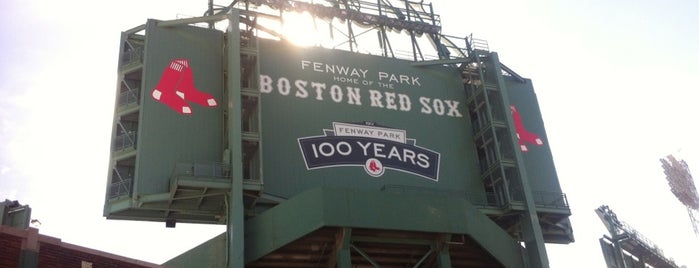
(343, 119)
(318, 157)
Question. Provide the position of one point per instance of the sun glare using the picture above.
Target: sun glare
(300, 28)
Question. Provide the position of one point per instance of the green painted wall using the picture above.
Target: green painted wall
(167, 137)
(212, 253)
(538, 159)
(316, 208)
(306, 90)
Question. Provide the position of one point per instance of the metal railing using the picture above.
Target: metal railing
(133, 55)
(210, 170)
(622, 230)
(128, 97)
(550, 200)
(125, 141)
(542, 199)
(647, 243)
(413, 16)
(478, 44)
(120, 188)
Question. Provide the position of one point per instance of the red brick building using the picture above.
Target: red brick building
(27, 248)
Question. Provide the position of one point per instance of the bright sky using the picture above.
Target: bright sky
(615, 81)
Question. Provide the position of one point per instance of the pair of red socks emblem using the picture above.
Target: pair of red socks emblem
(523, 135)
(176, 88)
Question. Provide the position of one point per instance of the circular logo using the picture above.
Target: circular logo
(374, 167)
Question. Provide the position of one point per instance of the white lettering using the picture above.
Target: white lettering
(425, 105)
(391, 100)
(375, 97)
(301, 89)
(353, 96)
(304, 64)
(409, 154)
(404, 102)
(317, 67)
(378, 150)
(453, 111)
(394, 153)
(399, 78)
(334, 69)
(315, 150)
(283, 86)
(438, 106)
(348, 149)
(365, 147)
(336, 93)
(265, 84)
(329, 151)
(423, 161)
(319, 87)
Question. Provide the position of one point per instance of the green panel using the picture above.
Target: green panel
(353, 208)
(283, 224)
(28, 259)
(311, 96)
(15, 215)
(167, 137)
(211, 254)
(538, 159)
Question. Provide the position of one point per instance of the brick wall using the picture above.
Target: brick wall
(53, 253)
(10, 247)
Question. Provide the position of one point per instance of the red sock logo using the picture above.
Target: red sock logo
(176, 87)
(373, 167)
(523, 135)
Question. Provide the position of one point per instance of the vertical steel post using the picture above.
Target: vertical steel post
(344, 257)
(235, 235)
(210, 12)
(443, 255)
(531, 229)
(350, 33)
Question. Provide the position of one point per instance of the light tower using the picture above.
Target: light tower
(682, 185)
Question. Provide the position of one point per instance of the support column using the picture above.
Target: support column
(531, 229)
(342, 257)
(443, 256)
(29, 255)
(235, 235)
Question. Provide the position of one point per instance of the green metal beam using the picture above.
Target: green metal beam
(135, 29)
(236, 244)
(351, 208)
(342, 257)
(440, 62)
(424, 257)
(404, 241)
(443, 256)
(191, 181)
(188, 21)
(531, 228)
(366, 257)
